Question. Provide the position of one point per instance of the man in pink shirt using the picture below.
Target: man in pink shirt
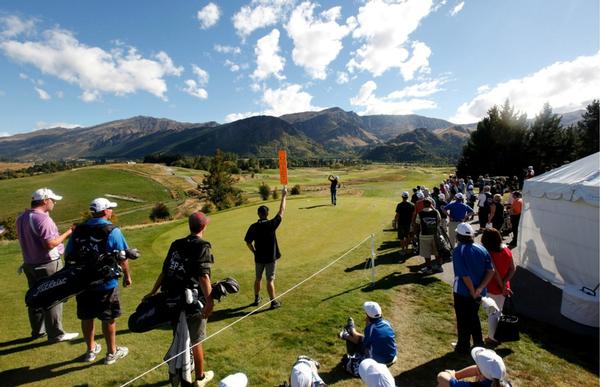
(42, 246)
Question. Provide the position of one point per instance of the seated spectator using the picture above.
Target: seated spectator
(489, 370)
(304, 373)
(234, 380)
(375, 374)
(378, 341)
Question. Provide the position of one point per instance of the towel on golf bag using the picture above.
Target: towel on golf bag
(162, 308)
(72, 280)
(181, 367)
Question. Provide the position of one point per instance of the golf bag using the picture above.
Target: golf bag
(162, 307)
(73, 279)
(442, 243)
(506, 228)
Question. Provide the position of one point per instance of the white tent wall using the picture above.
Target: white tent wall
(558, 241)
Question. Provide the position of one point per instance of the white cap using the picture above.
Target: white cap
(302, 375)
(489, 363)
(234, 380)
(404, 194)
(45, 193)
(420, 194)
(372, 309)
(441, 196)
(375, 374)
(465, 229)
(459, 196)
(101, 204)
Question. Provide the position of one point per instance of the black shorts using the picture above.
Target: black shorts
(103, 304)
(403, 231)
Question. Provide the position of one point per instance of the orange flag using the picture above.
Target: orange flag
(283, 176)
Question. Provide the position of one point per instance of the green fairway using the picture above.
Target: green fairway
(313, 234)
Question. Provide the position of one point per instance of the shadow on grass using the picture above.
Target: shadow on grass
(344, 292)
(426, 373)
(222, 314)
(25, 375)
(31, 345)
(336, 374)
(396, 278)
(315, 206)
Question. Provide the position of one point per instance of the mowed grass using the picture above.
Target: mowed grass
(78, 187)
(264, 345)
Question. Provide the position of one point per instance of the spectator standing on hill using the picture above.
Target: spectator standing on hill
(335, 184)
(404, 216)
(458, 212)
(496, 214)
(427, 222)
(262, 242)
(473, 271)
(42, 245)
(188, 266)
(440, 202)
(515, 216)
(499, 286)
(100, 301)
(415, 196)
(484, 201)
(530, 172)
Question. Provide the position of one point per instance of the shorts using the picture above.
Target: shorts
(197, 328)
(102, 304)
(268, 267)
(403, 231)
(427, 246)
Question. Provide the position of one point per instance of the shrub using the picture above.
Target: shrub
(264, 191)
(159, 212)
(275, 194)
(208, 207)
(10, 228)
(295, 190)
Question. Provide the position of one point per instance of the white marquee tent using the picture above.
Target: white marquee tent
(559, 234)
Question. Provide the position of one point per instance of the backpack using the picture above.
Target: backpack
(89, 242)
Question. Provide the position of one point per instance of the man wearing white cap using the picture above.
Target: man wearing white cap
(100, 301)
(378, 341)
(42, 245)
(489, 370)
(375, 374)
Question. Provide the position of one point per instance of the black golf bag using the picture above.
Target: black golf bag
(162, 307)
(73, 279)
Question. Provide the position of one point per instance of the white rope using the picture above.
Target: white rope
(248, 314)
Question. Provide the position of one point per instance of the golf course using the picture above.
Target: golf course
(322, 278)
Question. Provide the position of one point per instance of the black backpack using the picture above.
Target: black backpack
(89, 242)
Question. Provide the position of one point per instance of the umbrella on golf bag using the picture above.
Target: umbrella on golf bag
(72, 280)
(162, 308)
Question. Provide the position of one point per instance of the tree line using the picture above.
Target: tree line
(505, 143)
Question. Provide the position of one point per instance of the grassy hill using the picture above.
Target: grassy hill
(322, 283)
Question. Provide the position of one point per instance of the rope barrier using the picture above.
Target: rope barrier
(249, 313)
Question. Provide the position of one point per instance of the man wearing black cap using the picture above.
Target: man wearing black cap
(188, 266)
(262, 241)
(404, 216)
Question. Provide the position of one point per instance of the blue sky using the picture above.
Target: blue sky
(71, 63)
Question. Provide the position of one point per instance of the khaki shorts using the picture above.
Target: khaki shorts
(427, 246)
(269, 268)
(196, 327)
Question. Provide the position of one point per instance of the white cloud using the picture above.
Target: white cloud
(457, 8)
(239, 116)
(196, 87)
(48, 125)
(405, 101)
(5, 134)
(12, 26)
(227, 49)
(566, 86)
(384, 27)
(342, 78)
(317, 41)
(43, 94)
(288, 99)
(233, 67)
(268, 60)
(93, 69)
(208, 16)
(259, 14)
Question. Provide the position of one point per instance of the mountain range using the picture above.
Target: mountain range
(327, 133)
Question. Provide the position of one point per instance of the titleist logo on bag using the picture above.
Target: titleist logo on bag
(50, 285)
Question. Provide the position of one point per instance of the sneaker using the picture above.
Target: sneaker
(208, 376)
(490, 343)
(65, 337)
(426, 270)
(349, 324)
(37, 335)
(120, 353)
(275, 304)
(90, 356)
(343, 334)
(437, 269)
(257, 300)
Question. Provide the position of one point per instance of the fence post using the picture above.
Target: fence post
(372, 259)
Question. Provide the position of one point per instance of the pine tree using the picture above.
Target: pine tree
(219, 183)
(588, 130)
(545, 141)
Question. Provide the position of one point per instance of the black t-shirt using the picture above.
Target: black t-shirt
(334, 184)
(429, 221)
(188, 258)
(262, 234)
(405, 212)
